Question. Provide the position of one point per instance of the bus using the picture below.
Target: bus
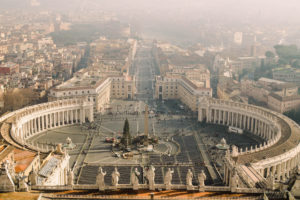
(232, 129)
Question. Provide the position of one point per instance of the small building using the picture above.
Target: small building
(283, 104)
(53, 170)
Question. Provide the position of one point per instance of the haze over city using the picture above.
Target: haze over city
(149, 99)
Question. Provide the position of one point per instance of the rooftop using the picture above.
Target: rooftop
(23, 159)
(285, 98)
(290, 139)
(81, 81)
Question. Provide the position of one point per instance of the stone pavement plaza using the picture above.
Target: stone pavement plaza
(180, 137)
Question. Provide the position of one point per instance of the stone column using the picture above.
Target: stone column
(284, 171)
(265, 131)
(47, 121)
(31, 126)
(273, 170)
(54, 119)
(215, 116)
(224, 115)
(26, 128)
(248, 123)
(43, 122)
(227, 118)
(39, 124)
(91, 114)
(35, 125)
(279, 172)
(71, 113)
(68, 116)
(51, 120)
(255, 126)
(82, 115)
(76, 116)
(200, 114)
(59, 118)
(63, 117)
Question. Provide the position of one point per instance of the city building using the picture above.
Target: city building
(95, 88)
(283, 103)
(180, 87)
(238, 38)
(287, 73)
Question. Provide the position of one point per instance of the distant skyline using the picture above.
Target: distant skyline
(236, 10)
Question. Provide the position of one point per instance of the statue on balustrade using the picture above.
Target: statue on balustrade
(298, 170)
(150, 175)
(22, 185)
(235, 151)
(134, 179)
(33, 177)
(271, 182)
(234, 181)
(115, 177)
(189, 179)
(100, 179)
(168, 178)
(201, 179)
(70, 177)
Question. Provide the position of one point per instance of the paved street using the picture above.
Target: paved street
(144, 72)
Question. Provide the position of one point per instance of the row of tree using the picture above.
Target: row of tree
(294, 115)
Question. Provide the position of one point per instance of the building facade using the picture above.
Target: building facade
(179, 87)
(98, 90)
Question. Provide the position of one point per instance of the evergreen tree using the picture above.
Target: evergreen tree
(126, 139)
(126, 127)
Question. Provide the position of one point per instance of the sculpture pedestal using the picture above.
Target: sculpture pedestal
(135, 187)
(201, 188)
(168, 187)
(151, 187)
(189, 187)
(114, 187)
(296, 187)
(101, 187)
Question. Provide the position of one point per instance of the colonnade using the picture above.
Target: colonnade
(261, 122)
(40, 118)
(239, 119)
(281, 166)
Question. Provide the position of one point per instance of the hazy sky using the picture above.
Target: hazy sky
(184, 18)
(252, 9)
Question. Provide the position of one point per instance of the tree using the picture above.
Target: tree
(294, 115)
(126, 127)
(126, 139)
(269, 54)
